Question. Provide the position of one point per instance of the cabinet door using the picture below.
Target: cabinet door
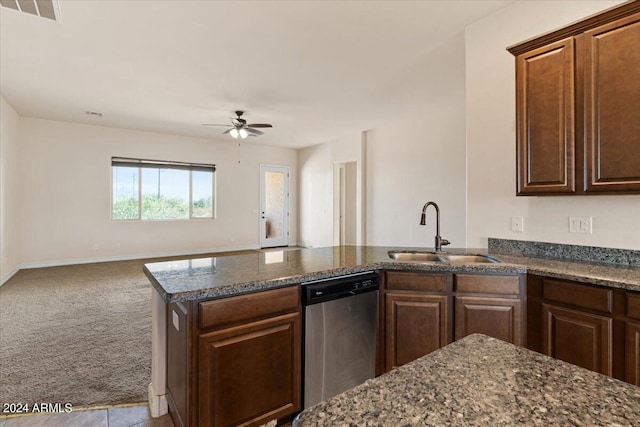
(497, 317)
(612, 106)
(546, 119)
(581, 338)
(250, 373)
(632, 353)
(416, 324)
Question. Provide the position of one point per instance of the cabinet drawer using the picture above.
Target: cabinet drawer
(578, 295)
(227, 311)
(486, 284)
(633, 305)
(398, 280)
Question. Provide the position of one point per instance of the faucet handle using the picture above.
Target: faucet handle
(444, 242)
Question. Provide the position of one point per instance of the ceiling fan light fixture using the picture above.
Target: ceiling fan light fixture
(238, 127)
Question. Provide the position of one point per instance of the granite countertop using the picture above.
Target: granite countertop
(218, 277)
(482, 381)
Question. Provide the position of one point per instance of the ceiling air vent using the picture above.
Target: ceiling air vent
(49, 9)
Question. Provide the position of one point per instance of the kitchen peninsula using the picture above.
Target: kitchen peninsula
(206, 307)
(482, 381)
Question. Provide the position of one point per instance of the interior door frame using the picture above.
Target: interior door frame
(271, 243)
(339, 205)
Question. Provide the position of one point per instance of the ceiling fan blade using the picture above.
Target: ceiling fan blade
(260, 125)
(211, 124)
(254, 131)
(228, 130)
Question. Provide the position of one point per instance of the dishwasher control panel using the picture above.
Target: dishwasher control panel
(339, 287)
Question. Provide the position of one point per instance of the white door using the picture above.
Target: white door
(274, 206)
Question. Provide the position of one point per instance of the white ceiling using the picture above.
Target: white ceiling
(316, 70)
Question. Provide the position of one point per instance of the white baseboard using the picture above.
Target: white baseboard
(6, 278)
(56, 263)
(157, 403)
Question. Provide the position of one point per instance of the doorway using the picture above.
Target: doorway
(274, 206)
(347, 201)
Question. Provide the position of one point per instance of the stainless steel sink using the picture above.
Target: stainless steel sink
(430, 256)
(469, 259)
(415, 256)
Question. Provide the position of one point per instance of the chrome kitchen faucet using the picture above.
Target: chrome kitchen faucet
(439, 241)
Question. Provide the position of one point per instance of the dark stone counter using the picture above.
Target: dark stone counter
(218, 277)
(482, 381)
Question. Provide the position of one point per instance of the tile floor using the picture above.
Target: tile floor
(126, 416)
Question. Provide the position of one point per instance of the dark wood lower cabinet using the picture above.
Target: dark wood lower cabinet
(416, 324)
(250, 374)
(577, 337)
(632, 353)
(178, 338)
(235, 361)
(595, 327)
(244, 368)
(423, 312)
(497, 317)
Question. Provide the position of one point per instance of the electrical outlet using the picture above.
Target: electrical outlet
(581, 224)
(517, 224)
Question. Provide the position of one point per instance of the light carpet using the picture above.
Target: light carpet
(77, 334)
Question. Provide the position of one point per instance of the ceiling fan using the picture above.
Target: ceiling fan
(239, 127)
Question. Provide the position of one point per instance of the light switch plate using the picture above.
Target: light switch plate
(581, 224)
(517, 224)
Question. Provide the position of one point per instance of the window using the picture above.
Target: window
(156, 190)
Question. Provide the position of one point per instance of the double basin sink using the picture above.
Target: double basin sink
(438, 257)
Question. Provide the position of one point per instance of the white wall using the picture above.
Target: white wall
(65, 170)
(315, 226)
(419, 160)
(9, 192)
(402, 165)
(319, 189)
(408, 165)
(490, 98)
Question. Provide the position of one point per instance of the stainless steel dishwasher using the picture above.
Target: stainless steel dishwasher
(340, 317)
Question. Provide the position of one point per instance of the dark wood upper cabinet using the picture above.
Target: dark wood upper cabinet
(612, 106)
(578, 107)
(545, 99)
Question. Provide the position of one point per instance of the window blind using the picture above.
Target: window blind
(161, 164)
